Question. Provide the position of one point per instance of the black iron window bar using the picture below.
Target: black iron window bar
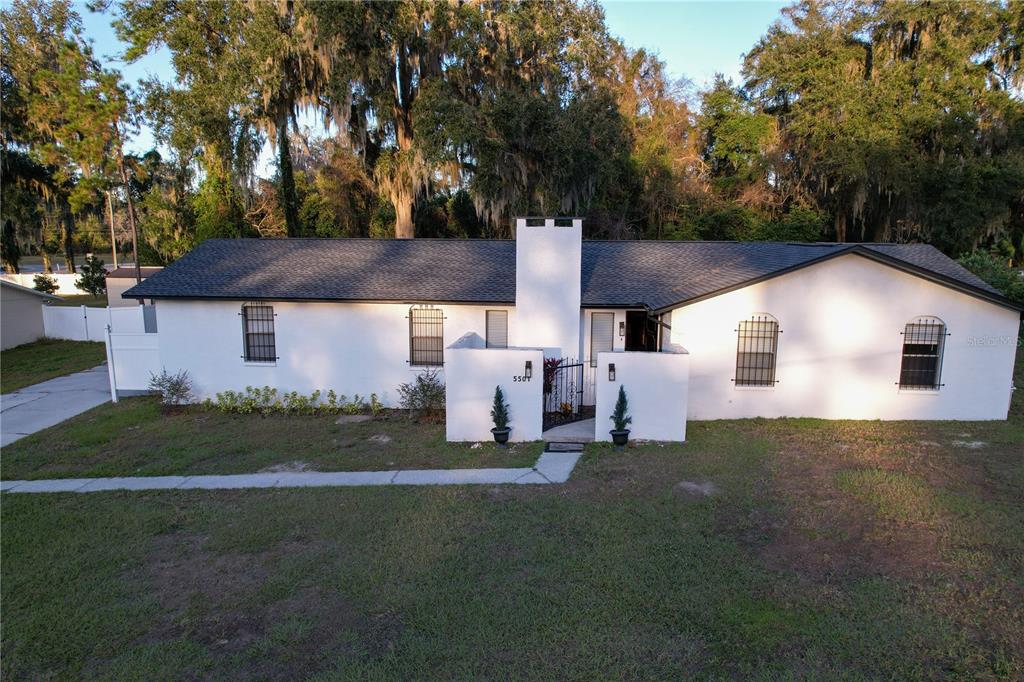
(258, 332)
(757, 341)
(426, 337)
(923, 343)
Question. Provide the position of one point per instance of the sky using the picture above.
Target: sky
(696, 40)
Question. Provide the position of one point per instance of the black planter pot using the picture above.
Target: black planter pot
(501, 435)
(619, 438)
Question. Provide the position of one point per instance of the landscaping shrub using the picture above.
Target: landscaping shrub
(620, 417)
(93, 278)
(499, 411)
(45, 284)
(174, 389)
(267, 400)
(424, 396)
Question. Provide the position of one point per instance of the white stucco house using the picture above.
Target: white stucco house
(692, 330)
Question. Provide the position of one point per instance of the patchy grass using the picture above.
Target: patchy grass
(830, 550)
(82, 299)
(32, 363)
(136, 437)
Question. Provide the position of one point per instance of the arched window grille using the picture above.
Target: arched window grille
(426, 337)
(924, 339)
(258, 332)
(757, 341)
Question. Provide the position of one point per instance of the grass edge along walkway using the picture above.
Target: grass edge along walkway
(551, 467)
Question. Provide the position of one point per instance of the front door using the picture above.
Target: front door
(641, 331)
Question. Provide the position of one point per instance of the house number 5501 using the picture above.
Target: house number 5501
(517, 379)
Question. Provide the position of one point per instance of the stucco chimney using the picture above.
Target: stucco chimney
(548, 262)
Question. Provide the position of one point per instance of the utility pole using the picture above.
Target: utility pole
(113, 240)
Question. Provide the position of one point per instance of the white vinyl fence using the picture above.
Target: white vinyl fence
(65, 282)
(90, 324)
(131, 358)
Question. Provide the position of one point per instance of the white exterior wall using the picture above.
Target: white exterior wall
(548, 265)
(21, 317)
(840, 347)
(349, 347)
(656, 389)
(117, 286)
(473, 371)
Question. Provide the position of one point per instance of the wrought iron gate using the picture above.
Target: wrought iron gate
(568, 391)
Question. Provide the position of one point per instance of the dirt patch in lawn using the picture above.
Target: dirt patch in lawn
(227, 602)
(844, 514)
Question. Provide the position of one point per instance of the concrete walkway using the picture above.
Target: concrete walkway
(551, 467)
(39, 406)
(574, 432)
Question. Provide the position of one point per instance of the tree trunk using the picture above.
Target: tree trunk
(289, 200)
(68, 228)
(131, 206)
(113, 239)
(404, 227)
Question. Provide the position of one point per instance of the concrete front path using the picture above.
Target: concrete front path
(574, 432)
(551, 467)
(39, 406)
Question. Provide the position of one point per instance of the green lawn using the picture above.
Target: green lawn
(849, 550)
(45, 359)
(136, 438)
(831, 549)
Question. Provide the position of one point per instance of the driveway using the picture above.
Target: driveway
(36, 407)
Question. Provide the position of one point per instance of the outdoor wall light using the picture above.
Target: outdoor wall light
(622, 328)
(528, 372)
(611, 371)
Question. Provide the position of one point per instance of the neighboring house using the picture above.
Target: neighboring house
(21, 314)
(121, 280)
(866, 331)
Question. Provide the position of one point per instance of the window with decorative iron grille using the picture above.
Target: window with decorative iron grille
(426, 337)
(258, 332)
(756, 346)
(923, 342)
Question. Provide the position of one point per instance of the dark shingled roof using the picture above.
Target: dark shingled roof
(659, 274)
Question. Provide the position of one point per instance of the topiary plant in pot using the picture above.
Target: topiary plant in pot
(499, 415)
(621, 419)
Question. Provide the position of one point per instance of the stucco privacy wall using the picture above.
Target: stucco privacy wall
(349, 347)
(656, 388)
(473, 372)
(840, 349)
(548, 265)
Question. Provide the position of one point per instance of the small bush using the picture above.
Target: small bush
(267, 400)
(174, 389)
(620, 415)
(93, 278)
(423, 396)
(499, 411)
(45, 284)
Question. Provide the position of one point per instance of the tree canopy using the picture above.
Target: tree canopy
(865, 121)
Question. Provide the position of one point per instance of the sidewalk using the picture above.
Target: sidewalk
(42, 405)
(551, 467)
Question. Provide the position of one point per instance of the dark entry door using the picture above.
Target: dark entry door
(641, 331)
